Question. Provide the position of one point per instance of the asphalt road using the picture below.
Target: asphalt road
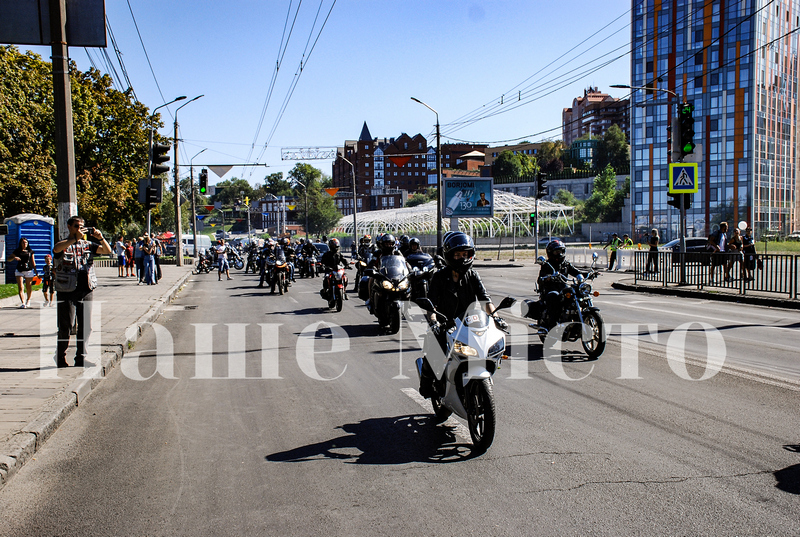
(230, 419)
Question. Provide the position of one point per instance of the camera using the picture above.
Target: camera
(90, 231)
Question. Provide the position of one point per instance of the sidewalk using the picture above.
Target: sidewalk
(35, 396)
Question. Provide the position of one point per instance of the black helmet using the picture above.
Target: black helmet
(404, 242)
(387, 243)
(366, 239)
(458, 241)
(556, 251)
(333, 244)
(414, 241)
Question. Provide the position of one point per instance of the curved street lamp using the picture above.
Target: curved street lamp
(150, 146)
(438, 177)
(176, 169)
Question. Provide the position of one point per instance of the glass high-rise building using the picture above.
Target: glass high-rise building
(736, 61)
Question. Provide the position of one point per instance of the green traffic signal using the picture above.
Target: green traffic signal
(686, 124)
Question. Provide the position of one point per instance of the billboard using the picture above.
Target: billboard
(27, 22)
(468, 196)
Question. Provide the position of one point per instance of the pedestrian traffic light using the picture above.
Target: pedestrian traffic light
(151, 197)
(686, 123)
(687, 201)
(204, 181)
(541, 188)
(159, 154)
(533, 219)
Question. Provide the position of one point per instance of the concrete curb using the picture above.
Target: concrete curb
(16, 451)
(722, 297)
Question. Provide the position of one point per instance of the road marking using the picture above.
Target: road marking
(293, 300)
(681, 313)
(458, 428)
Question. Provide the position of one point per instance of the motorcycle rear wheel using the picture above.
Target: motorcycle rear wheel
(280, 284)
(338, 299)
(394, 321)
(481, 418)
(594, 346)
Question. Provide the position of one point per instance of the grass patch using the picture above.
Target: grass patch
(10, 289)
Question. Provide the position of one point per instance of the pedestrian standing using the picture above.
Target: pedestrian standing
(74, 295)
(222, 259)
(157, 251)
(25, 271)
(749, 251)
(119, 250)
(138, 258)
(47, 282)
(735, 251)
(148, 248)
(613, 245)
(652, 255)
(130, 269)
(717, 245)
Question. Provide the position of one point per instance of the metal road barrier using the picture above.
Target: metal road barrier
(771, 273)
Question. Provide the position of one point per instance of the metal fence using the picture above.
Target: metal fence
(766, 273)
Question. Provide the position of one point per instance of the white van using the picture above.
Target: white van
(187, 241)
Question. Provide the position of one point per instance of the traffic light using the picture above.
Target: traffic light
(541, 186)
(151, 197)
(533, 219)
(204, 181)
(159, 154)
(675, 201)
(686, 129)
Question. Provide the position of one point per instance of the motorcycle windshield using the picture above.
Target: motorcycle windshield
(393, 267)
(476, 318)
(420, 260)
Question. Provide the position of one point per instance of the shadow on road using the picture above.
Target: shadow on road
(789, 478)
(390, 440)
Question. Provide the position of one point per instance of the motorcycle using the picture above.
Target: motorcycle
(461, 376)
(235, 259)
(308, 266)
(252, 260)
(277, 274)
(336, 291)
(361, 266)
(204, 263)
(577, 316)
(422, 270)
(389, 287)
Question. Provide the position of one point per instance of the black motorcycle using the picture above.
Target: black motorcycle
(389, 286)
(205, 262)
(235, 259)
(577, 316)
(422, 269)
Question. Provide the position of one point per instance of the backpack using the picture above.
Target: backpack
(67, 270)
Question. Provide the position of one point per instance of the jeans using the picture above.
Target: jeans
(149, 268)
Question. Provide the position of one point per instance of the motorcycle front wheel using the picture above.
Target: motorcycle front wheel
(238, 264)
(440, 411)
(280, 283)
(339, 302)
(481, 414)
(594, 345)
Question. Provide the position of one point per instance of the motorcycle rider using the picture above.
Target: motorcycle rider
(308, 250)
(404, 245)
(364, 250)
(454, 288)
(271, 249)
(330, 261)
(252, 252)
(549, 287)
(289, 252)
(414, 246)
(386, 245)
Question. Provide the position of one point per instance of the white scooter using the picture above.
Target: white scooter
(462, 379)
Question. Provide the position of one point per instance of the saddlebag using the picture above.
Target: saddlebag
(363, 288)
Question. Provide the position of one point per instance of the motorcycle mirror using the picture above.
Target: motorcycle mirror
(507, 302)
(425, 304)
(594, 256)
(540, 260)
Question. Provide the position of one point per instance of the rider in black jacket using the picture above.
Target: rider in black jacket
(550, 287)
(331, 261)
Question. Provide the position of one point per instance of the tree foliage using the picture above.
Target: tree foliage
(606, 202)
(421, 198)
(612, 149)
(315, 206)
(506, 167)
(110, 133)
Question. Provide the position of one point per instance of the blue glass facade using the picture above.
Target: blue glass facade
(737, 63)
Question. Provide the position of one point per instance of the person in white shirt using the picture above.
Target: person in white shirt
(119, 249)
(222, 258)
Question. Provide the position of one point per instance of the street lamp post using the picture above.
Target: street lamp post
(194, 209)
(355, 210)
(669, 159)
(438, 177)
(176, 169)
(150, 146)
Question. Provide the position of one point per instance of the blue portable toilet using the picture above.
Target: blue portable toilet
(38, 230)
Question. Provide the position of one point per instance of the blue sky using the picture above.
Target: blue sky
(370, 58)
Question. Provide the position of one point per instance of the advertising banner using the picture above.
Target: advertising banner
(468, 196)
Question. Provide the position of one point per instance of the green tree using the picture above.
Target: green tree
(315, 205)
(276, 185)
(230, 191)
(506, 167)
(606, 202)
(421, 198)
(110, 130)
(612, 149)
(550, 155)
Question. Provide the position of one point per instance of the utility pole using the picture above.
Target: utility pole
(62, 105)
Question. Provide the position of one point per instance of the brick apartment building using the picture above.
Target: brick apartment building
(593, 114)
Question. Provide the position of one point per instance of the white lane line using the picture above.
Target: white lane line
(685, 314)
(458, 428)
(293, 300)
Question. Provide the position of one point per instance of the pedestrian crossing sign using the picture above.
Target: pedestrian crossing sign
(683, 178)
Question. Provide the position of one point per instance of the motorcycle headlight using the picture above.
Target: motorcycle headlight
(464, 350)
(387, 284)
(498, 347)
(586, 288)
(403, 285)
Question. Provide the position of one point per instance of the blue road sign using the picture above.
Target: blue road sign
(683, 178)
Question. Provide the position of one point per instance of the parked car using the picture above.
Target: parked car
(695, 249)
(793, 236)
